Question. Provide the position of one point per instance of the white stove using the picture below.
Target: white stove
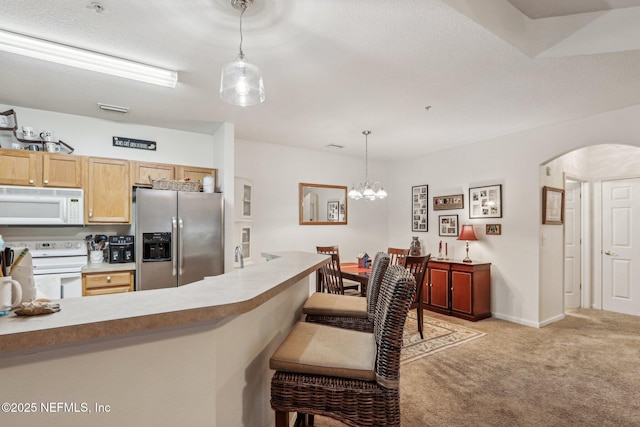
(57, 266)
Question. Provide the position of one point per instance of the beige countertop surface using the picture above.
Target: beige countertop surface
(230, 294)
(102, 267)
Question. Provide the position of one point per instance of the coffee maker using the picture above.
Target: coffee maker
(121, 249)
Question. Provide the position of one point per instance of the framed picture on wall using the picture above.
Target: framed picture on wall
(443, 203)
(485, 202)
(493, 229)
(419, 217)
(333, 208)
(552, 205)
(448, 225)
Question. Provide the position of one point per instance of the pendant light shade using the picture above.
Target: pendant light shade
(241, 82)
(366, 190)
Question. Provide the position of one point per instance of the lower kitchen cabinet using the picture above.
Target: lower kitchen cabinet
(109, 282)
(459, 289)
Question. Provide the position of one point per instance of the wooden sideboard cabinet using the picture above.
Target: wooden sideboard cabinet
(459, 289)
(110, 282)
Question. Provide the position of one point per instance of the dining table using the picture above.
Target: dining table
(352, 271)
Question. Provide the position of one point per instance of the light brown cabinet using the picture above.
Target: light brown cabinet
(459, 289)
(110, 282)
(142, 173)
(34, 169)
(107, 191)
(195, 173)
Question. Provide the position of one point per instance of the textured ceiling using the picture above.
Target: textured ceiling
(333, 68)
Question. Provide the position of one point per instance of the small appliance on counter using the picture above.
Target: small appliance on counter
(121, 249)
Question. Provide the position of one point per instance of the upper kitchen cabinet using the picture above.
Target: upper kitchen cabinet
(196, 174)
(142, 173)
(18, 167)
(61, 170)
(107, 191)
(34, 169)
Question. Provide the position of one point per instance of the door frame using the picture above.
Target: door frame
(585, 241)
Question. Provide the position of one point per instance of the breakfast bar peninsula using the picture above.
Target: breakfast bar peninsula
(192, 355)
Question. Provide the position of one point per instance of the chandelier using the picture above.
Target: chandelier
(367, 190)
(241, 82)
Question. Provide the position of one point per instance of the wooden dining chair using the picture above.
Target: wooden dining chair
(417, 265)
(397, 255)
(345, 311)
(334, 250)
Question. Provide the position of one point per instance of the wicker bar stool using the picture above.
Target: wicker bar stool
(347, 375)
(346, 311)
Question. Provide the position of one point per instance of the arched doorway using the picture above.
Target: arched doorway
(595, 168)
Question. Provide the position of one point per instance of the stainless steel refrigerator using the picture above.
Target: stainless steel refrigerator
(179, 237)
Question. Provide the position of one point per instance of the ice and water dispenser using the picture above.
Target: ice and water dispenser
(156, 247)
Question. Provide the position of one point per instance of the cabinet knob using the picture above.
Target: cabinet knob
(108, 278)
(90, 213)
(46, 181)
(31, 181)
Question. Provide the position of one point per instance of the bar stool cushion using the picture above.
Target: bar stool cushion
(316, 349)
(324, 304)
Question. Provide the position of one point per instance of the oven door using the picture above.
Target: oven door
(58, 286)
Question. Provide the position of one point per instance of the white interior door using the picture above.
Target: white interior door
(572, 244)
(621, 246)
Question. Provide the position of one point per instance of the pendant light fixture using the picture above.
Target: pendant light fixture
(366, 189)
(241, 82)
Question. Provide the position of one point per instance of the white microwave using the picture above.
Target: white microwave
(41, 206)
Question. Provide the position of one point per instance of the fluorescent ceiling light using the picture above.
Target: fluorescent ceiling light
(85, 59)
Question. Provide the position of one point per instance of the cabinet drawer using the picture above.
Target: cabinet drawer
(108, 290)
(111, 279)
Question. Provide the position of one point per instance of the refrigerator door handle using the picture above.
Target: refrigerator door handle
(174, 246)
(181, 249)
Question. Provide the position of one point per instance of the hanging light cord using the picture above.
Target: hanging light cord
(244, 8)
(366, 155)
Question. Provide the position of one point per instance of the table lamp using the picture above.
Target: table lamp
(467, 234)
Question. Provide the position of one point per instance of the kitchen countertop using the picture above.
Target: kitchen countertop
(229, 294)
(102, 267)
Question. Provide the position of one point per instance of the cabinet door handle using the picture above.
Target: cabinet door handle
(108, 278)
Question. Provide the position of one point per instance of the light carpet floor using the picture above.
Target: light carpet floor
(582, 371)
(438, 335)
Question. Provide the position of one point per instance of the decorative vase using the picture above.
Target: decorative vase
(415, 249)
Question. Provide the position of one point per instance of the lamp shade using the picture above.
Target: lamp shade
(241, 83)
(467, 233)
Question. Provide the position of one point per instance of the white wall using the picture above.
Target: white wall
(524, 288)
(277, 170)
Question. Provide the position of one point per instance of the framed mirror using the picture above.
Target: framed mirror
(322, 204)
